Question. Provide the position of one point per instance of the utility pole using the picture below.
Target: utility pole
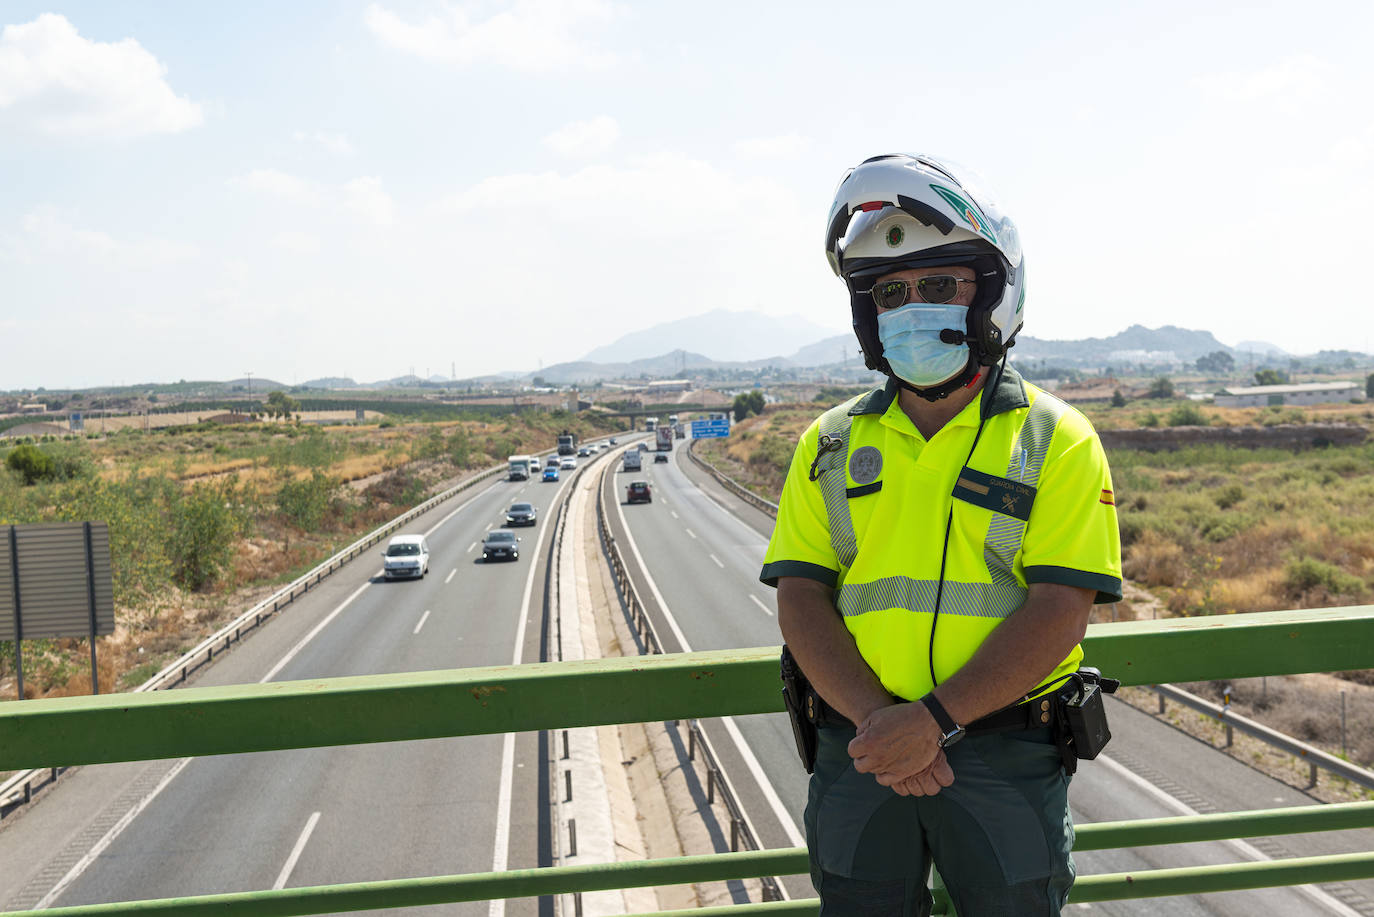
(250, 390)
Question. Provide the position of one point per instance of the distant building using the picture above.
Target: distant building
(670, 385)
(34, 408)
(1258, 396)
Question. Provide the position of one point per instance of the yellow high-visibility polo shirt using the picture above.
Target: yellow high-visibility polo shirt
(1033, 504)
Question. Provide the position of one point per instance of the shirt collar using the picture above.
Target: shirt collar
(1007, 395)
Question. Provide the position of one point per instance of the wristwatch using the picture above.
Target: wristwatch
(951, 732)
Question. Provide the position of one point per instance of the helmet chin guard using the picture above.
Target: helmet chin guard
(903, 211)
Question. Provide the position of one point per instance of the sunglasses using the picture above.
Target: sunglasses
(936, 289)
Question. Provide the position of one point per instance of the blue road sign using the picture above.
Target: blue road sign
(706, 429)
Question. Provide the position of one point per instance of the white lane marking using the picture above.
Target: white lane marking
(717, 560)
(423, 618)
(115, 830)
(488, 528)
(454, 572)
(311, 636)
(1246, 850)
(504, 800)
(770, 795)
(296, 850)
(471, 546)
(671, 513)
(766, 610)
(690, 532)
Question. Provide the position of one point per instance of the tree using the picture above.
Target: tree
(741, 406)
(756, 401)
(1118, 399)
(1218, 361)
(1162, 387)
(280, 404)
(31, 462)
(1369, 386)
(1268, 376)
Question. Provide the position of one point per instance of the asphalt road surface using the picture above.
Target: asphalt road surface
(329, 815)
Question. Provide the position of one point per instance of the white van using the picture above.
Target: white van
(406, 556)
(519, 468)
(632, 461)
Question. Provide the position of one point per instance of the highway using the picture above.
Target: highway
(703, 548)
(332, 815)
(329, 815)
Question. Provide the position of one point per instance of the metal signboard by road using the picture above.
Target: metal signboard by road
(55, 580)
(715, 427)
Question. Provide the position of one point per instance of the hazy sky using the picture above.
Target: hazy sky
(194, 190)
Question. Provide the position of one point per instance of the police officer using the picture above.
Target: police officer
(940, 543)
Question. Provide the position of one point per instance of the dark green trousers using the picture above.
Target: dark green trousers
(1000, 836)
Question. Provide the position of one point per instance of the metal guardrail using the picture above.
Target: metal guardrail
(500, 699)
(730, 484)
(26, 782)
(1315, 757)
(742, 832)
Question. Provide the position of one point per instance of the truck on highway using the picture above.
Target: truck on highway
(520, 467)
(650, 423)
(632, 461)
(663, 439)
(567, 443)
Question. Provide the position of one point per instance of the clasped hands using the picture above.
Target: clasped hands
(898, 745)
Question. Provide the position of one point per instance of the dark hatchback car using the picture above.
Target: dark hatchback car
(639, 492)
(660, 458)
(521, 514)
(500, 545)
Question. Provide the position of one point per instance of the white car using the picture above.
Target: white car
(568, 463)
(406, 556)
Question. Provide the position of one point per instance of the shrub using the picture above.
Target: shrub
(1307, 573)
(1187, 414)
(1149, 419)
(307, 501)
(31, 462)
(204, 526)
(1229, 496)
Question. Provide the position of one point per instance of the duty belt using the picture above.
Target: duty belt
(1036, 713)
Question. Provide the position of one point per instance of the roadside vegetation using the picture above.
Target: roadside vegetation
(206, 519)
(1205, 529)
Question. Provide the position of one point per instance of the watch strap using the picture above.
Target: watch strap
(942, 717)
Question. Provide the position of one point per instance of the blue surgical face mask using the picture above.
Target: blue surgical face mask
(911, 342)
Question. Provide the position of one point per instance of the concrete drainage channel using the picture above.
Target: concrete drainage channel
(19, 789)
(633, 791)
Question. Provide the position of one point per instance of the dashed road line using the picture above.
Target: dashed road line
(718, 561)
(454, 572)
(766, 610)
(296, 850)
(690, 532)
(423, 618)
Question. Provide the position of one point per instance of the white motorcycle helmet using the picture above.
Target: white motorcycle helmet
(904, 210)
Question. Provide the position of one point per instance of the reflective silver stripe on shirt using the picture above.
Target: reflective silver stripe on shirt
(836, 424)
(997, 599)
(1005, 533)
(977, 600)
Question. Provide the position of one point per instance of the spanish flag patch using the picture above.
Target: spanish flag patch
(1107, 498)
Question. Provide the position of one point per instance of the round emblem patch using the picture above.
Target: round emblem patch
(895, 235)
(865, 465)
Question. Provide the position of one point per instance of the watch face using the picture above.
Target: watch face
(952, 736)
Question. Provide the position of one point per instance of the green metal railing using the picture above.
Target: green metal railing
(422, 705)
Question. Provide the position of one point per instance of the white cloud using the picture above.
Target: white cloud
(338, 144)
(297, 243)
(1291, 80)
(56, 82)
(530, 35)
(584, 138)
(365, 197)
(791, 144)
(46, 232)
(279, 184)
